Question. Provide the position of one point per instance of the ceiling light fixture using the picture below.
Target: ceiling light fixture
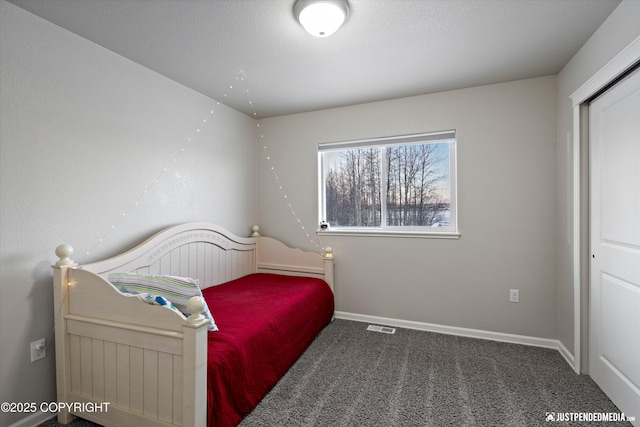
(321, 18)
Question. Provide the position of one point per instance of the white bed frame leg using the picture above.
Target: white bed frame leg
(195, 365)
(328, 267)
(61, 304)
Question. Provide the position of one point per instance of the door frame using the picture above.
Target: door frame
(621, 63)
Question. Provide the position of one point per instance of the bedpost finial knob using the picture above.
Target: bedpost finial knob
(255, 230)
(328, 252)
(63, 252)
(195, 305)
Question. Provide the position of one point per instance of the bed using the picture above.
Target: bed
(121, 361)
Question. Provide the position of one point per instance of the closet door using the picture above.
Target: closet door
(614, 139)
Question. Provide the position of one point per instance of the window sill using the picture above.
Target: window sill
(391, 233)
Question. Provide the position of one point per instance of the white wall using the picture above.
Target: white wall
(506, 197)
(616, 33)
(83, 133)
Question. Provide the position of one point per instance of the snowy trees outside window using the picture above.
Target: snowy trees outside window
(399, 183)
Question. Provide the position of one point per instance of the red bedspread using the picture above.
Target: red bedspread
(266, 322)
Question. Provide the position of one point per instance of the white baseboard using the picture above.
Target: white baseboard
(453, 330)
(34, 419)
(567, 356)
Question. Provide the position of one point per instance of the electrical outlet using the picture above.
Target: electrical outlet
(38, 350)
(514, 295)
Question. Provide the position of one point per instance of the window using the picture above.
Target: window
(396, 185)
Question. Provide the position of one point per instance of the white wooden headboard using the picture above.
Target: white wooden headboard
(214, 255)
(202, 251)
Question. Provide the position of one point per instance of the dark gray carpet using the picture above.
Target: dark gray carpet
(353, 377)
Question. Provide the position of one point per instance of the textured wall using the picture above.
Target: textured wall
(506, 198)
(83, 133)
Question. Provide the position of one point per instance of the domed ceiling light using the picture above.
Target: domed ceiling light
(321, 18)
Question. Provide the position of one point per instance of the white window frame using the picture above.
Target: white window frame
(450, 232)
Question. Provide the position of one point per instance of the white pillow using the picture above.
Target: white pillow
(176, 290)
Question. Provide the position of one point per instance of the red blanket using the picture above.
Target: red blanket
(266, 322)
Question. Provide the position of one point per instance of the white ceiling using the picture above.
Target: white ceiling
(386, 49)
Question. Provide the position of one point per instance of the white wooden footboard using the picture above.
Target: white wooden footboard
(122, 362)
(275, 257)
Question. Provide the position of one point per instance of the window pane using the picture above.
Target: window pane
(417, 185)
(352, 187)
(383, 186)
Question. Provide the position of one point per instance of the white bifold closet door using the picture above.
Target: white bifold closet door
(614, 140)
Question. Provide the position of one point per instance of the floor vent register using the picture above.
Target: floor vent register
(383, 329)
